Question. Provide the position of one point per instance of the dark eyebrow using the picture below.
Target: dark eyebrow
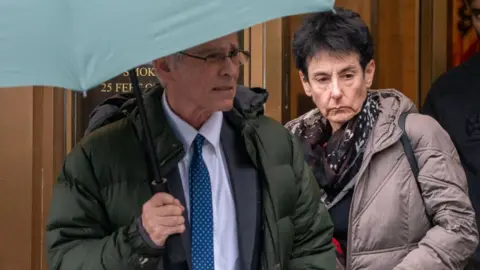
(345, 69)
(348, 68)
(475, 11)
(321, 73)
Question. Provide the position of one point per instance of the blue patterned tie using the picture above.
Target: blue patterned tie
(201, 212)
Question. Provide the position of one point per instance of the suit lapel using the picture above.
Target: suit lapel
(179, 246)
(244, 184)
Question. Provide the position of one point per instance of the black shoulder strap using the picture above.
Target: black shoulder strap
(407, 147)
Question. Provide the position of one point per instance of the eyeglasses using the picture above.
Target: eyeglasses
(238, 57)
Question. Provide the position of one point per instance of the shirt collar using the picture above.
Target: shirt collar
(186, 133)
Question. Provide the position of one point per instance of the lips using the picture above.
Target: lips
(339, 109)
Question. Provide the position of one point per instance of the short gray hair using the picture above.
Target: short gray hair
(175, 58)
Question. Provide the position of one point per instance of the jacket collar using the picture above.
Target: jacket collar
(187, 134)
(248, 105)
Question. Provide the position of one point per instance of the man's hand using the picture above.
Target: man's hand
(162, 216)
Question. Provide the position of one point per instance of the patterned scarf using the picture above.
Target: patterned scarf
(336, 158)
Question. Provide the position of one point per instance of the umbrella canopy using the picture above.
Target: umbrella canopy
(79, 44)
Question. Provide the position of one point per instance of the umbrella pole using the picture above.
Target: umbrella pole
(148, 135)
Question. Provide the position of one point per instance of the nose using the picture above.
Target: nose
(335, 92)
(229, 68)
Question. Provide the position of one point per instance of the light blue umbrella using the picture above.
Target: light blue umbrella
(78, 44)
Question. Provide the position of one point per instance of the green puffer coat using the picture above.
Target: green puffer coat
(105, 181)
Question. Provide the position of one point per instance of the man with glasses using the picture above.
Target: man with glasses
(239, 193)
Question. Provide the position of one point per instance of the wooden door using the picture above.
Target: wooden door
(31, 154)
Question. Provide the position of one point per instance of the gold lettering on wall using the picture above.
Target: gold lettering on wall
(121, 84)
(106, 87)
(143, 71)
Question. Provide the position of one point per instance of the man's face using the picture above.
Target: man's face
(338, 85)
(475, 8)
(206, 85)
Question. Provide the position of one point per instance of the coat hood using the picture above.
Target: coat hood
(250, 101)
(392, 104)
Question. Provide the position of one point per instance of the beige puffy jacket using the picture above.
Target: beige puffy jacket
(388, 225)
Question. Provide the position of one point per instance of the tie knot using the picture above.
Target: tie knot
(198, 143)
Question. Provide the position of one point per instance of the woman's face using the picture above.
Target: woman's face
(338, 85)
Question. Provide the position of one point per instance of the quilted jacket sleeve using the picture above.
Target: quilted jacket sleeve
(454, 236)
(78, 234)
(313, 248)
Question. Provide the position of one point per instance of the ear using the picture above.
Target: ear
(369, 73)
(306, 84)
(163, 69)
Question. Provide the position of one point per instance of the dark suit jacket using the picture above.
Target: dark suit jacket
(246, 190)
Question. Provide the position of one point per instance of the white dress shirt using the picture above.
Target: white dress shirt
(226, 253)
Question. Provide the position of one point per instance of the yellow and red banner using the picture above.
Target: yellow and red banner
(464, 38)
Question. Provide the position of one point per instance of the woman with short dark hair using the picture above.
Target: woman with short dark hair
(385, 216)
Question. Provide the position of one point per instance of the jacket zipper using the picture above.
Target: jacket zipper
(349, 236)
(365, 162)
